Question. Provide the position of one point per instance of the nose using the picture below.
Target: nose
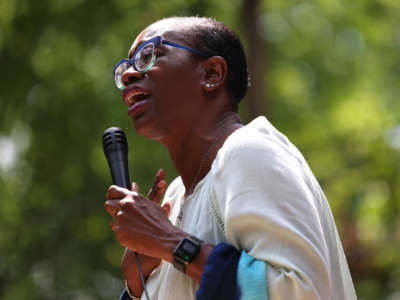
(131, 75)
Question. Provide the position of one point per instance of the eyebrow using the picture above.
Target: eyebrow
(132, 52)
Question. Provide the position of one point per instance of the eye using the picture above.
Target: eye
(147, 56)
(147, 53)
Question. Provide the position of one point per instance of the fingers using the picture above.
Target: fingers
(135, 187)
(112, 207)
(116, 198)
(167, 208)
(154, 189)
(158, 188)
(116, 192)
(161, 174)
(161, 187)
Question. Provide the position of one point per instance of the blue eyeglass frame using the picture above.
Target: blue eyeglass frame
(158, 40)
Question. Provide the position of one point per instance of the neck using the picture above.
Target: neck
(195, 151)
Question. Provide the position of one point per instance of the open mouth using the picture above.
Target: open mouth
(137, 97)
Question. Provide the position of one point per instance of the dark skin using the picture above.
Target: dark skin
(148, 263)
(177, 85)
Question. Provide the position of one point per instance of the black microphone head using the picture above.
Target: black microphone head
(114, 138)
(115, 148)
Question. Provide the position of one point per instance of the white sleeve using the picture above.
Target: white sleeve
(270, 212)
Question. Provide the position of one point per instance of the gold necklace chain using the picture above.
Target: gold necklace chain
(205, 157)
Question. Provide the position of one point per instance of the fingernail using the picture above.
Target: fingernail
(161, 184)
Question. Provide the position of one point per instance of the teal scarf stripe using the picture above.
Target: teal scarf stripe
(252, 278)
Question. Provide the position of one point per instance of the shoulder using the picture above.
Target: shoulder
(256, 145)
(259, 160)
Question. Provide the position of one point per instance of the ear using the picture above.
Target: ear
(215, 69)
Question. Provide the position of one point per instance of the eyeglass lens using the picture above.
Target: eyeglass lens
(122, 67)
(142, 61)
(144, 58)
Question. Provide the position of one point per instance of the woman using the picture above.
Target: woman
(246, 218)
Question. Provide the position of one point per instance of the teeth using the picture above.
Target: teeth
(132, 98)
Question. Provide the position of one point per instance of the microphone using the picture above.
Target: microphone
(115, 148)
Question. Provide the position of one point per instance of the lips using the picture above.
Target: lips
(137, 99)
(133, 94)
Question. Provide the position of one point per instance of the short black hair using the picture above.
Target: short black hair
(215, 38)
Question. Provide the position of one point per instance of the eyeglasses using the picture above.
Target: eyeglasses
(144, 58)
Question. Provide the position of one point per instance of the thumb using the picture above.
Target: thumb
(135, 187)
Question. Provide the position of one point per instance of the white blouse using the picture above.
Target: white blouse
(261, 196)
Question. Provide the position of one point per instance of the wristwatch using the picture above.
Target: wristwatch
(185, 252)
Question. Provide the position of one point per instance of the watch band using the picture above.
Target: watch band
(183, 256)
(179, 265)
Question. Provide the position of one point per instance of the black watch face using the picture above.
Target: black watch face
(187, 250)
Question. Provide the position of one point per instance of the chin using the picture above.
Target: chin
(147, 128)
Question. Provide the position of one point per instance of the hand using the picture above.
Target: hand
(140, 224)
(148, 263)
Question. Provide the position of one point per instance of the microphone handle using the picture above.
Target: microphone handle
(118, 163)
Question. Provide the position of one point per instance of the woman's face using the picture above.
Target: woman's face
(167, 98)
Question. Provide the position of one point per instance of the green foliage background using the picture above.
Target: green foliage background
(331, 76)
